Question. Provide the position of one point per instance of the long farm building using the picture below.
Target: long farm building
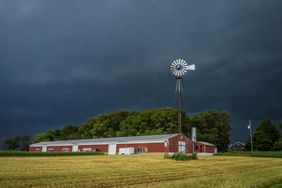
(168, 143)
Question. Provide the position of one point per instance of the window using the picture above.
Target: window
(141, 150)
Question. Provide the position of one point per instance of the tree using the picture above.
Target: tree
(25, 142)
(69, 132)
(278, 145)
(106, 125)
(54, 135)
(265, 136)
(212, 126)
(11, 143)
(270, 131)
(261, 141)
(41, 137)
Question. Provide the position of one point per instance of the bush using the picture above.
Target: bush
(181, 156)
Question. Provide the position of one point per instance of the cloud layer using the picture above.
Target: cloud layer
(64, 61)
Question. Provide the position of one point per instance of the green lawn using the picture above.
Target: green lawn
(274, 154)
(149, 170)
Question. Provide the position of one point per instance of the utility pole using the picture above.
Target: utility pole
(251, 136)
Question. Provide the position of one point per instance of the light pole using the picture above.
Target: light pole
(251, 136)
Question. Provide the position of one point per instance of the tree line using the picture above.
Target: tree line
(266, 137)
(212, 126)
(17, 143)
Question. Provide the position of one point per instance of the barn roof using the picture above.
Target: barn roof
(150, 138)
(206, 143)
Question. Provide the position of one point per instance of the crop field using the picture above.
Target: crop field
(149, 170)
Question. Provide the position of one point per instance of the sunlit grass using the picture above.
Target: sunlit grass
(274, 154)
(138, 171)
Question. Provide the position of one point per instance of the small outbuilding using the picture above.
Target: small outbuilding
(168, 143)
(237, 146)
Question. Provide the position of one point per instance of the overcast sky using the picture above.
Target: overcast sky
(64, 61)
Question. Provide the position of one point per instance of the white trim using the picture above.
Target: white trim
(42, 145)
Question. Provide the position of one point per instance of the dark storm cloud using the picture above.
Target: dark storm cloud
(64, 61)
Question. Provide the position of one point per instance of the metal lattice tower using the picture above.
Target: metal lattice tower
(179, 68)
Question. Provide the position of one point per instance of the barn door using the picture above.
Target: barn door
(44, 148)
(181, 146)
(112, 149)
(75, 148)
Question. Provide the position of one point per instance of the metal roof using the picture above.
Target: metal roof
(150, 138)
(206, 143)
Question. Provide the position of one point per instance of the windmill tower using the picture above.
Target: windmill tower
(179, 68)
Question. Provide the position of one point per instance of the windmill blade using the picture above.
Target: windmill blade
(191, 67)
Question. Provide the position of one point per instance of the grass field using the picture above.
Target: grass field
(274, 154)
(139, 171)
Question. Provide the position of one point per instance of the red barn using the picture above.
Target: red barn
(169, 143)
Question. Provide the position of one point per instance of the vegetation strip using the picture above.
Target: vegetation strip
(273, 154)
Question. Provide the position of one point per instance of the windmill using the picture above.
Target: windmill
(179, 68)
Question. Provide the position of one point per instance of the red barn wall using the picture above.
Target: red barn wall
(35, 148)
(199, 147)
(151, 147)
(100, 148)
(58, 148)
(173, 143)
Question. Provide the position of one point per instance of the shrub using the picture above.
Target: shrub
(181, 156)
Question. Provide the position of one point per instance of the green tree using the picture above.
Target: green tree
(261, 141)
(41, 137)
(54, 135)
(278, 145)
(106, 125)
(69, 132)
(11, 143)
(25, 142)
(270, 131)
(212, 126)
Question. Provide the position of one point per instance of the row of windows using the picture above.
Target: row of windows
(141, 150)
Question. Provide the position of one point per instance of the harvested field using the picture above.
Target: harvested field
(139, 171)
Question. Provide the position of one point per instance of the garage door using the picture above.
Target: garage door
(112, 149)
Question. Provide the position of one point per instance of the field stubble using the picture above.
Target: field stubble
(138, 171)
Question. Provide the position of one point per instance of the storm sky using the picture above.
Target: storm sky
(64, 61)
